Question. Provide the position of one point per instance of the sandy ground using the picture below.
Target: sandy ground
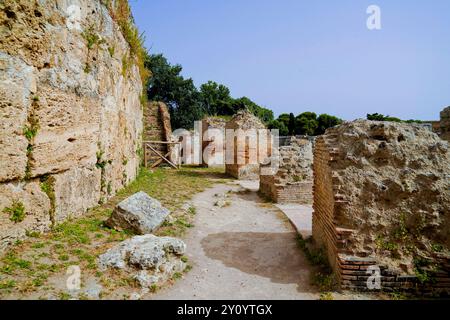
(246, 250)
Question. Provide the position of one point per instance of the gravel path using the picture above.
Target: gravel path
(245, 250)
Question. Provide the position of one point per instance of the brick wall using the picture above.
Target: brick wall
(211, 123)
(351, 268)
(244, 121)
(292, 183)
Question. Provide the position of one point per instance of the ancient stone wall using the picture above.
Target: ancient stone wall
(292, 183)
(71, 117)
(211, 123)
(382, 200)
(243, 122)
(445, 124)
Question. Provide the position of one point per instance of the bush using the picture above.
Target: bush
(16, 211)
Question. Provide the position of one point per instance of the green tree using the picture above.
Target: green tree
(292, 124)
(325, 121)
(284, 117)
(264, 114)
(306, 123)
(380, 117)
(169, 86)
(276, 124)
(216, 99)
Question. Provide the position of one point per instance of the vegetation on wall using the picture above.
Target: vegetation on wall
(16, 211)
(120, 11)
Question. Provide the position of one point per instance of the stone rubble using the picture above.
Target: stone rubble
(148, 258)
(139, 213)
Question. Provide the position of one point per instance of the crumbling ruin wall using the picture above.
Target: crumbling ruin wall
(70, 111)
(445, 124)
(157, 127)
(241, 122)
(216, 124)
(292, 183)
(382, 199)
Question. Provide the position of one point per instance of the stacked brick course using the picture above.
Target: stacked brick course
(241, 123)
(211, 123)
(293, 181)
(355, 242)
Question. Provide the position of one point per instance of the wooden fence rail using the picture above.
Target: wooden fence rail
(149, 146)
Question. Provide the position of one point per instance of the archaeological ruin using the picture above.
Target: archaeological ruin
(158, 131)
(382, 200)
(211, 126)
(445, 124)
(71, 113)
(245, 137)
(292, 182)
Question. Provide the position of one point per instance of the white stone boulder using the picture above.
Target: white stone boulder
(139, 213)
(150, 259)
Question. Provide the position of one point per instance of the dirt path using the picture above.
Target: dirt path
(245, 250)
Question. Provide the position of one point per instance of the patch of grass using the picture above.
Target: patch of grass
(30, 132)
(111, 51)
(324, 278)
(315, 257)
(437, 247)
(423, 270)
(64, 296)
(87, 68)
(80, 241)
(125, 65)
(384, 244)
(326, 296)
(154, 288)
(16, 211)
(12, 262)
(7, 284)
(397, 296)
(92, 38)
(177, 275)
(325, 281)
(48, 187)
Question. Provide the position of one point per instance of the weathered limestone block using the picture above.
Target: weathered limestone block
(148, 258)
(382, 197)
(17, 83)
(37, 207)
(76, 191)
(62, 70)
(68, 130)
(139, 213)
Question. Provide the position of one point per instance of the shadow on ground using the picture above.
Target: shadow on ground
(275, 256)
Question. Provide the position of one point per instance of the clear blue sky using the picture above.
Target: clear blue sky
(295, 56)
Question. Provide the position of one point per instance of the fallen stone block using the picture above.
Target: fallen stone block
(150, 259)
(139, 213)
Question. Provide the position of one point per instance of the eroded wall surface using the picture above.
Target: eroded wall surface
(244, 126)
(382, 200)
(292, 182)
(71, 117)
